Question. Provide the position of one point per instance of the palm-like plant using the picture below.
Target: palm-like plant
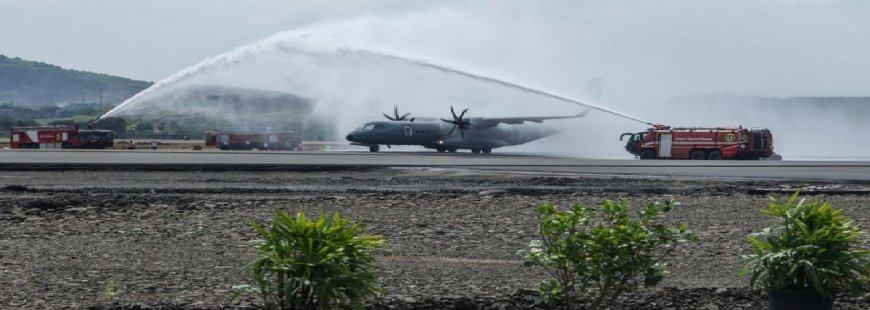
(814, 247)
(305, 264)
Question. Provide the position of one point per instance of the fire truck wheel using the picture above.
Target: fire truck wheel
(374, 148)
(66, 145)
(698, 155)
(715, 155)
(647, 154)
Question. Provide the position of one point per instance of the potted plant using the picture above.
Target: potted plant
(809, 256)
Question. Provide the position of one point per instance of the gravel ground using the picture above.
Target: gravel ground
(167, 240)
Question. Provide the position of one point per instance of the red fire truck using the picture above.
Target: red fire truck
(700, 143)
(60, 137)
(249, 139)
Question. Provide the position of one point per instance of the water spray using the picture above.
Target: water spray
(500, 82)
(242, 54)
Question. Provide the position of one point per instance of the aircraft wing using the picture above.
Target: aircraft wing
(493, 121)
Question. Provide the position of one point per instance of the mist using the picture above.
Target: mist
(647, 54)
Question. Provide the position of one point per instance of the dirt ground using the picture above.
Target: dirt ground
(180, 240)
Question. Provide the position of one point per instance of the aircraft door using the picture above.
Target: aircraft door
(665, 144)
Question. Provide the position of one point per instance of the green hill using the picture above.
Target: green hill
(28, 83)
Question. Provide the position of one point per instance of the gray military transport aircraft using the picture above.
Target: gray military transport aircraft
(479, 134)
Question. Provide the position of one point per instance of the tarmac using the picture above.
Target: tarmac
(178, 160)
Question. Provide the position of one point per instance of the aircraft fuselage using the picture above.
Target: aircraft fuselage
(434, 134)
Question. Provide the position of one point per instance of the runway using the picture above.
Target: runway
(171, 160)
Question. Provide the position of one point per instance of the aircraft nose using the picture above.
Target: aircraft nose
(349, 137)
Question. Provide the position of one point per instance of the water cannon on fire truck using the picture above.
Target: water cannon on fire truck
(713, 143)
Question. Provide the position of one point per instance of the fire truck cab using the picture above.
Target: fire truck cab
(712, 143)
(60, 137)
(249, 139)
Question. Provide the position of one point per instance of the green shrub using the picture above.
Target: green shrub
(111, 289)
(813, 246)
(602, 254)
(305, 264)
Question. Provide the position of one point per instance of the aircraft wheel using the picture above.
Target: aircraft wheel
(715, 155)
(374, 148)
(440, 149)
(698, 155)
(475, 151)
(452, 150)
(487, 150)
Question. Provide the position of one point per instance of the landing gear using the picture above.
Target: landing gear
(452, 149)
(475, 151)
(441, 149)
(486, 150)
(374, 148)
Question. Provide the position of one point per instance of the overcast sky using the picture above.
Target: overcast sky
(648, 48)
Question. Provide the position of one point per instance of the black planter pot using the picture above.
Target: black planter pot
(798, 300)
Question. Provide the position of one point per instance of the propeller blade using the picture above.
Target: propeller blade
(388, 117)
(461, 115)
(452, 129)
(396, 111)
(454, 113)
(462, 132)
(405, 116)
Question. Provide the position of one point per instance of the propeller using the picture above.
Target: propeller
(458, 121)
(396, 113)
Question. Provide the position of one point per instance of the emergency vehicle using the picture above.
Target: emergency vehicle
(700, 143)
(60, 137)
(249, 139)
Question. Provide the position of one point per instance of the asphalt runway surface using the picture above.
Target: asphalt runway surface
(851, 171)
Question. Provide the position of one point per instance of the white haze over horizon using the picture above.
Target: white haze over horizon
(646, 52)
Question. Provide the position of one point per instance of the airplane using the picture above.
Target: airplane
(479, 134)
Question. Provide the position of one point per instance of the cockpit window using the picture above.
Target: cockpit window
(368, 126)
(380, 127)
